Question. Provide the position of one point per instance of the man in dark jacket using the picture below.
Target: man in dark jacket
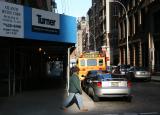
(74, 90)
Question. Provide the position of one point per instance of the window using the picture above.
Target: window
(115, 24)
(91, 62)
(115, 11)
(82, 62)
(100, 62)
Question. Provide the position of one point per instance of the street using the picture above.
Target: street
(146, 101)
(40, 40)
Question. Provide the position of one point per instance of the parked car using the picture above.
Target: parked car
(124, 69)
(121, 69)
(138, 73)
(108, 85)
(91, 73)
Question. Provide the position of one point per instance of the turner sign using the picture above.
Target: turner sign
(44, 21)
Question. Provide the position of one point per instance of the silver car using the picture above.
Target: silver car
(139, 73)
(108, 85)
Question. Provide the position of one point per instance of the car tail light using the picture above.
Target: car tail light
(129, 84)
(99, 84)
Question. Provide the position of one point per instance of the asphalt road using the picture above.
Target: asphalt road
(146, 100)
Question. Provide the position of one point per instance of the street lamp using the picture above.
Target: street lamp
(127, 22)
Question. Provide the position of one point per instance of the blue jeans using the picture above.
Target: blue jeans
(71, 97)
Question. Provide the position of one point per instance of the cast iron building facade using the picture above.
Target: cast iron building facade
(144, 33)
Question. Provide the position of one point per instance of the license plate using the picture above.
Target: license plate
(114, 84)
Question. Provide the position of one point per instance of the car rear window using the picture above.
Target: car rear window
(104, 76)
(118, 76)
(110, 76)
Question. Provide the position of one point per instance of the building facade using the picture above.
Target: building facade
(34, 44)
(49, 5)
(143, 33)
(82, 35)
(141, 36)
(103, 29)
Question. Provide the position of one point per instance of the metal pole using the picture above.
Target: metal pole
(68, 71)
(9, 73)
(127, 21)
(14, 77)
(127, 24)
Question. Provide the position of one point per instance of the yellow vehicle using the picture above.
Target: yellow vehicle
(90, 61)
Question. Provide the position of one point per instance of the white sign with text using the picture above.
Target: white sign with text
(11, 20)
(45, 21)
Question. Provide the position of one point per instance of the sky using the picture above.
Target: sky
(75, 8)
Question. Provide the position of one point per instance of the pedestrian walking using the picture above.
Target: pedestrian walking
(75, 91)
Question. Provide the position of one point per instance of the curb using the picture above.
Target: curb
(155, 80)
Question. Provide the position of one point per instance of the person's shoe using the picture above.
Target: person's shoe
(84, 110)
(63, 108)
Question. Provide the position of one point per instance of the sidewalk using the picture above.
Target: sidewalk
(88, 103)
(41, 102)
(45, 102)
(155, 78)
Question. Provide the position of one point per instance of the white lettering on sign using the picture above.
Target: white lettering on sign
(45, 19)
(11, 20)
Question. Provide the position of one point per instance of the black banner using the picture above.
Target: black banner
(45, 30)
